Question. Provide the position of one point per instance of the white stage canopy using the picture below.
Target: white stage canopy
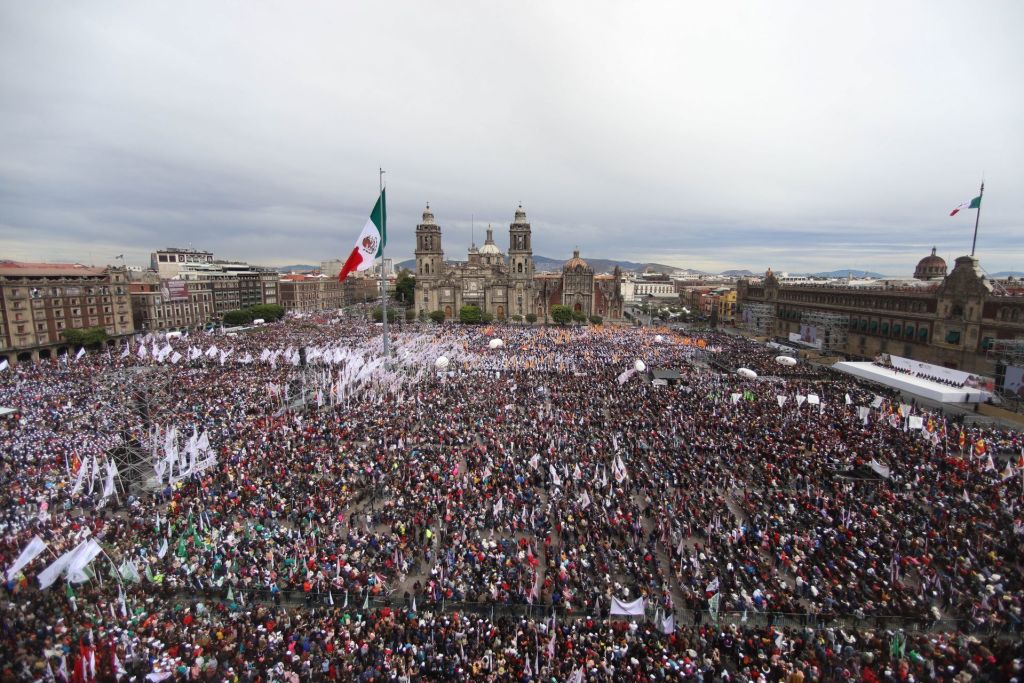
(936, 391)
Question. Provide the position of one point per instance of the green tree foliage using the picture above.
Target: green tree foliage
(531, 318)
(437, 316)
(517, 318)
(268, 312)
(578, 316)
(405, 286)
(486, 317)
(242, 316)
(561, 314)
(378, 315)
(596, 320)
(90, 337)
(410, 314)
(470, 315)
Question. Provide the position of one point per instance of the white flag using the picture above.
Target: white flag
(81, 352)
(31, 551)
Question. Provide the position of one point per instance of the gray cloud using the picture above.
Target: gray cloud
(798, 135)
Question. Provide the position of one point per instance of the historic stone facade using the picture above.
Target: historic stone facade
(503, 285)
(955, 321)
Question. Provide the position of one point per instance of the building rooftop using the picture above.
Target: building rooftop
(22, 269)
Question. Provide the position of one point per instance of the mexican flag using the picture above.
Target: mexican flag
(972, 204)
(371, 241)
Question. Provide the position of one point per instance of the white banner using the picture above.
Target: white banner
(31, 551)
(628, 609)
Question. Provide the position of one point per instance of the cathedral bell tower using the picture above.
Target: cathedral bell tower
(520, 265)
(429, 261)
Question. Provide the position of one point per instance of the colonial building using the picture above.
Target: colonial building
(953, 320)
(39, 301)
(505, 286)
(308, 293)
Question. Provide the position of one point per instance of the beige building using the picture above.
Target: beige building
(168, 262)
(40, 300)
(161, 305)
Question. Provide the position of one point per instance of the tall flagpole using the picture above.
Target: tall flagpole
(383, 281)
(977, 217)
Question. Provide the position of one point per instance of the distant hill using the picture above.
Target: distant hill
(1008, 273)
(852, 272)
(297, 268)
(737, 273)
(600, 265)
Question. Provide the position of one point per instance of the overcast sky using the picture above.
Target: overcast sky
(795, 135)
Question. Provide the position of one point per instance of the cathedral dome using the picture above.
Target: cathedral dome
(520, 215)
(930, 267)
(576, 263)
(489, 246)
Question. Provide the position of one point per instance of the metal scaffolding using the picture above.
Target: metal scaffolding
(832, 328)
(758, 318)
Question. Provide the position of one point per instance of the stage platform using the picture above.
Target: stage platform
(924, 388)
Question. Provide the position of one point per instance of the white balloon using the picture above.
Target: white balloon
(441, 363)
(785, 360)
(639, 366)
(746, 372)
(495, 343)
(658, 338)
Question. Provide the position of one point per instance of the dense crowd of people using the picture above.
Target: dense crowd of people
(478, 518)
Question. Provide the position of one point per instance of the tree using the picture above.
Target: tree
(268, 312)
(578, 316)
(561, 314)
(410, 314)
(242, 316)
(486, 317)
(378, 315)
(437, 316)
(470, 315)
(596, 320)
(531, 318)
(517, 318)
(89, 336)
(405, 286)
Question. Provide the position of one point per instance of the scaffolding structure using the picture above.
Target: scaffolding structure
(1006, 351)
(134, 456)
(759, 318)
(832, 328)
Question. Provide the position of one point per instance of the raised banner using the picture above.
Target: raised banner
(628, 609)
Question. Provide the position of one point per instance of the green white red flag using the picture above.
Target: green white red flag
(371, 241)
(971, 204)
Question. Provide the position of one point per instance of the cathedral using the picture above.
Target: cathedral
(507, 286)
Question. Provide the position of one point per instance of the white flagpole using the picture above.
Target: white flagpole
(383, 280)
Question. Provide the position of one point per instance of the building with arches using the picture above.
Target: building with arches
(952, 319)
(39, 301)
(506, 285)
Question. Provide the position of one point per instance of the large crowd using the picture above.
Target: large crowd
(477, 519)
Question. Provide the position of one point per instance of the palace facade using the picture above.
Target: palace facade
(963, 320)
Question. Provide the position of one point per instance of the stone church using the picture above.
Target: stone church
(506, 285)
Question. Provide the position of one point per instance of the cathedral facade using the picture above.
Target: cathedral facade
(506, 285)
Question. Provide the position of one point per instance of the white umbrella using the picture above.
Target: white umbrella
(495, 343)
(785, 360)
(658, 338)
(441, 363)
(747, 372)
(639, 366)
